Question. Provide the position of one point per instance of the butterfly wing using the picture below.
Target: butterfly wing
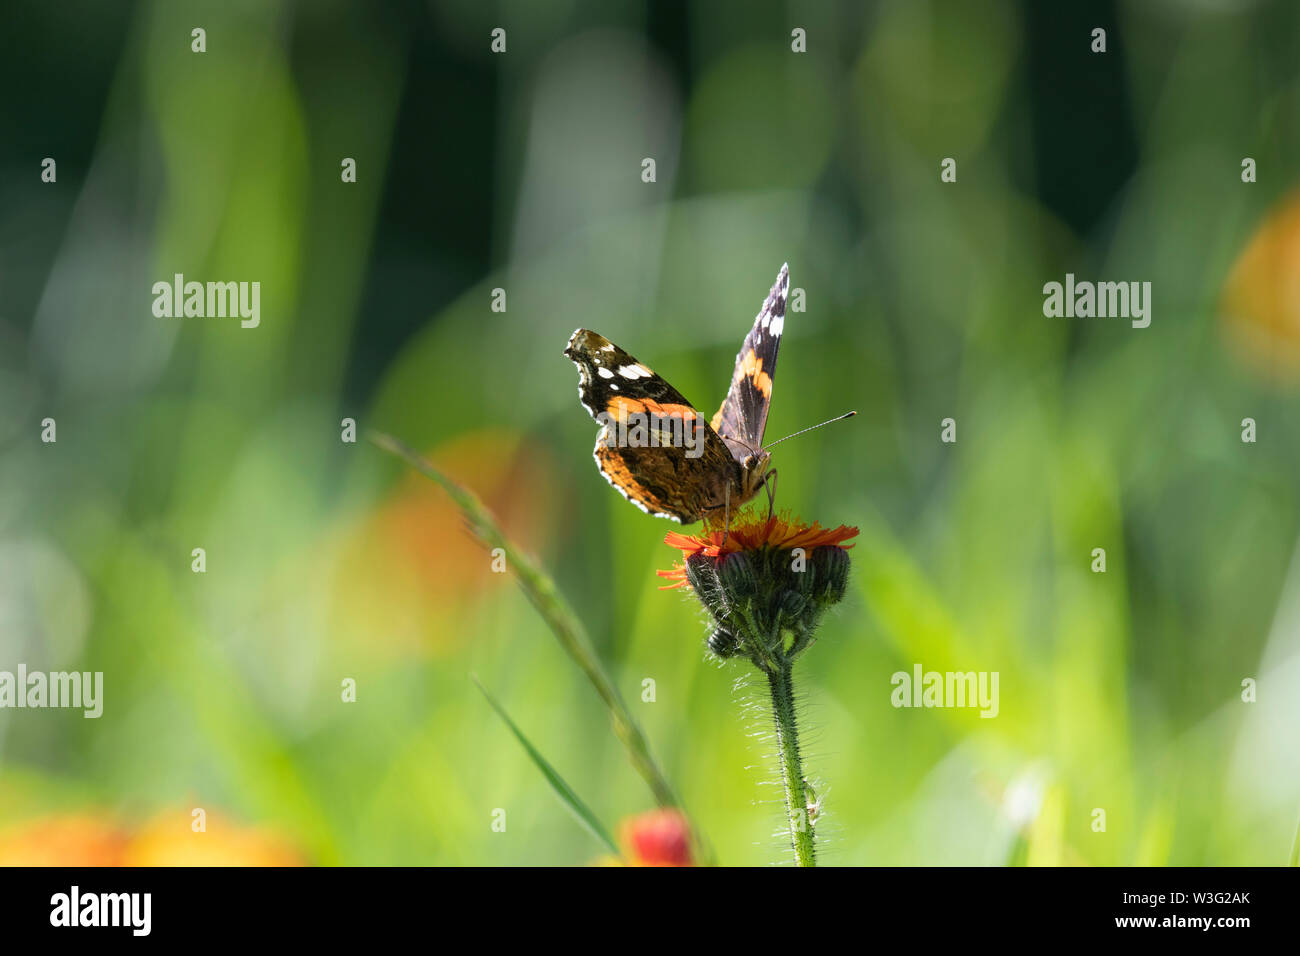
(669, 479)
(743, 416)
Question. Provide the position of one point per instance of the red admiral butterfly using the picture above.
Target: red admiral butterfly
(656, 449)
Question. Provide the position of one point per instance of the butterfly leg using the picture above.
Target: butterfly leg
(726, 514)
(769, 485)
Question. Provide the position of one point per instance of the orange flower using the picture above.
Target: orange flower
(408, 571)
(780, 533)
(1260, 307)
(170, 840)
(65, 840)
(657, 838)
(167, 840)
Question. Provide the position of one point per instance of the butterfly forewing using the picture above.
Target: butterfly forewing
(743, 416)
(678, 479)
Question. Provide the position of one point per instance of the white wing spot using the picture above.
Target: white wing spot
(634, 371)
(604, 373)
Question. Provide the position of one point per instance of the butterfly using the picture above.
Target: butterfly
(657, 450)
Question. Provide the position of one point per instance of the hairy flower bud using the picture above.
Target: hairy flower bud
(702, 575)
(723, 642)
(788, 608)
(738, 579)
(832, 581)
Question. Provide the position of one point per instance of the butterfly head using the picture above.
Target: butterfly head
(752, 471)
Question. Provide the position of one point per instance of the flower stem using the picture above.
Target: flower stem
(781, 683)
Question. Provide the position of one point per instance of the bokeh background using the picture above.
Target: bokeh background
(521, 171)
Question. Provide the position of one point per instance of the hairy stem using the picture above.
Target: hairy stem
(781, 683)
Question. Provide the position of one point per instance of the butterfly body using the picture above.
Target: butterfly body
(656, 449)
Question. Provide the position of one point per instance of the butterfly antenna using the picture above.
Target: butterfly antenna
(837, 418)
(740, 441)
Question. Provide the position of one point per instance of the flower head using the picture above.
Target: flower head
(779, 532)
(762, 580)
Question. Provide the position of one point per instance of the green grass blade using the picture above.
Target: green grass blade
(557, 613)
(568, 796)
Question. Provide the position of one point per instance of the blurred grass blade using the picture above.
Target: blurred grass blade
(564, 623)
(1295, 848)
(568, 796)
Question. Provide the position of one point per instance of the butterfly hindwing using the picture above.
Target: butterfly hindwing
(669, 479)
(743, 416)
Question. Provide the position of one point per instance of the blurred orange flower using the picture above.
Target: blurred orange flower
(72, 840)
(166, 840)
(410, 565)
(1260, 305)
(169, 840)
